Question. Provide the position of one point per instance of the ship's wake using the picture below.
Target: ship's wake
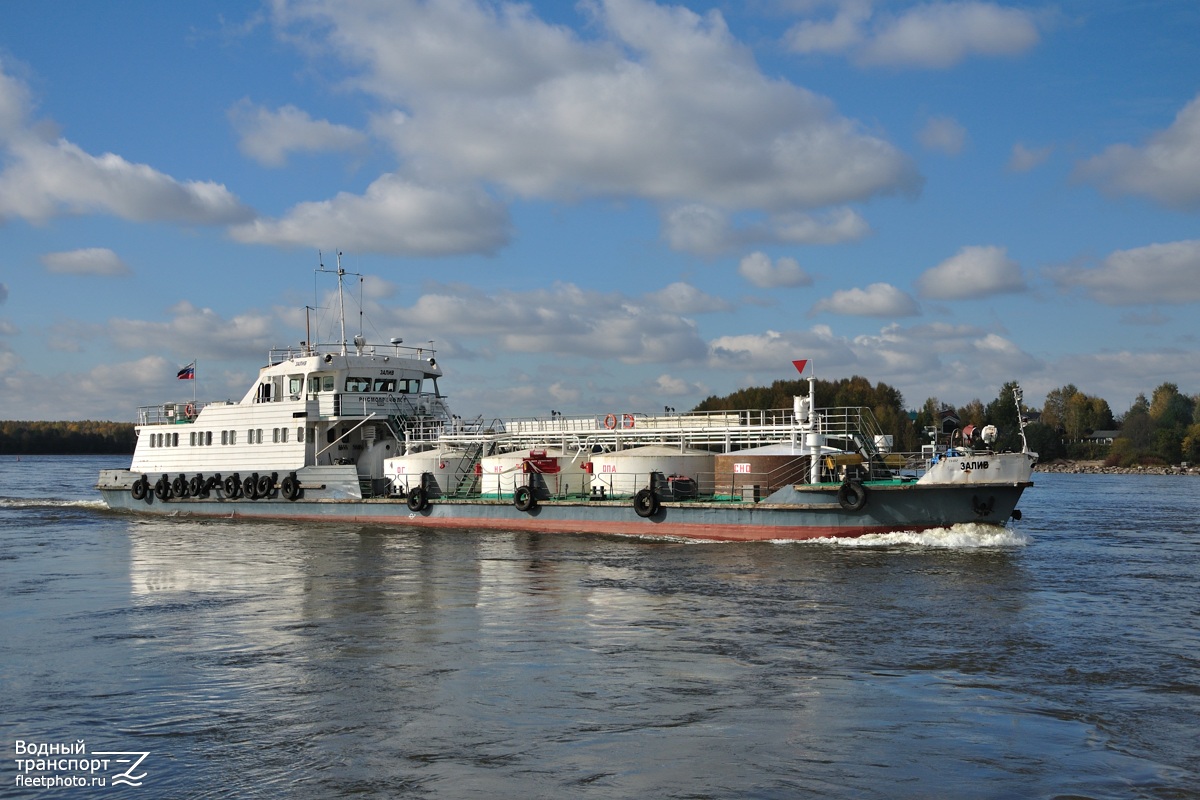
(966, 536)
(49, 502)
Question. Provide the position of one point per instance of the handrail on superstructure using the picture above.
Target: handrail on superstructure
(280, 354)
(346, 433)
(727, 431)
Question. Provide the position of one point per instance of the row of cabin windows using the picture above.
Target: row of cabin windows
(325, 383)
(205, 438)
(357, 385)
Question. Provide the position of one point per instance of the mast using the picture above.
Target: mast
(341, 300)
(341, 274)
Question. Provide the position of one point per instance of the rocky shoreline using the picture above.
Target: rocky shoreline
(1098, 468)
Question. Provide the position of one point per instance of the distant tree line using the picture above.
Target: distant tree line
(885, 402)
(66, 438)
(1162, 430)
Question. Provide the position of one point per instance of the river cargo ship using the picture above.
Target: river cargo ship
(355, 432)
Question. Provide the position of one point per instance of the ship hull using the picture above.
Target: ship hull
(793, 513)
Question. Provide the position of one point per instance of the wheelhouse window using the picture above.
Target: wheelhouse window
(358, 384)
(385, 385)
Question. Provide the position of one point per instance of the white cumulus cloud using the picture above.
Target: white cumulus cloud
(683, 298)
(269, 137)
(1024, 159)
(932, 35)
(395, 216)
(758, 269)
(707, 231)
(971, 273)
(1166, 168)
(944, 135)
(87, 261)
(1158, 273)
(661, 104)
(877, 300)
(45, 178)
(564, 319)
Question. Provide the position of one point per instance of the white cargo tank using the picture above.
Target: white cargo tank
(623, 473)
(548, 471)
(440, 472)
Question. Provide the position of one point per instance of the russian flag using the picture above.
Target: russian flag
(188, 373)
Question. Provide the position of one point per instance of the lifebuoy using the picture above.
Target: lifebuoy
(139, 489)
(627, 421)
(610, 421)
(190, 410)
(417, 499)
(852, 496)
(524, 499)
(645, 503)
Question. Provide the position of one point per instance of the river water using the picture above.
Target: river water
(1059, 658)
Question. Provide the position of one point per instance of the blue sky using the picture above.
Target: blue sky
(615, 205)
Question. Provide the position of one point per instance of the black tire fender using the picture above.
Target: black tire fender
(417, 499)
(290, 486)
(852, 496)
(524, 499)
(646, 503)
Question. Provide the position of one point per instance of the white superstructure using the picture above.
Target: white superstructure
(315, 405)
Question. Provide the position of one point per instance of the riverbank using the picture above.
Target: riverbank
(1098, 468)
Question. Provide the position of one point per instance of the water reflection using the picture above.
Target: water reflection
(274, 659)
